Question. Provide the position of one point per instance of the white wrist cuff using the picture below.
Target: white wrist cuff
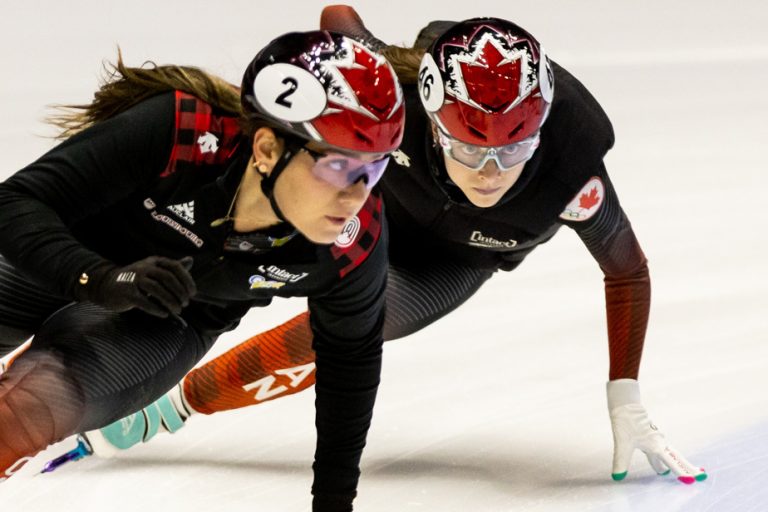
(622, 392)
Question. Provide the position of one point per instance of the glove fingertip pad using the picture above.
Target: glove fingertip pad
(617, 477)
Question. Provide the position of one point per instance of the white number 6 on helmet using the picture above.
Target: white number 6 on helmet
(431, 89)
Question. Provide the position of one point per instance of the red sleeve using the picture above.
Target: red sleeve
(627, 304)
(607, 234)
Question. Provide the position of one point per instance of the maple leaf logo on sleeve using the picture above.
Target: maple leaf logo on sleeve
(587, 201)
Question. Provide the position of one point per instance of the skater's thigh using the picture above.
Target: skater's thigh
(418, 295)
(119, 361)
(24, 305)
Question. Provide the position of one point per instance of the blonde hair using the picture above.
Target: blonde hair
(123, 87)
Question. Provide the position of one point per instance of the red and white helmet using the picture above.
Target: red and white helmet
(329, 88)
(486, 82)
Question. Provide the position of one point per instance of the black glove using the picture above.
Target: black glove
(156, 285)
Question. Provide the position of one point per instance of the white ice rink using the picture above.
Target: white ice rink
(501, 406)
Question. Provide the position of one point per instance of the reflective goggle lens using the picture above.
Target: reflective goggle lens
(475, 157)
(343, 171)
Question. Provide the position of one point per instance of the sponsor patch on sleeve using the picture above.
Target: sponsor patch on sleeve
(586, 203)
(359, 236)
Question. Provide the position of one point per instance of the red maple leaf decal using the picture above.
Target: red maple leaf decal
(375, 95)
(489, 82)
(587, 201)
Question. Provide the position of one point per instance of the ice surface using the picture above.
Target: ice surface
(501, 406)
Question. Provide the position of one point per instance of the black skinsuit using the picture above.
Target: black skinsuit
(442, 248)
(149, 182)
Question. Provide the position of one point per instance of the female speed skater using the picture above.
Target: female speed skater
(502, 148)
(180, 204)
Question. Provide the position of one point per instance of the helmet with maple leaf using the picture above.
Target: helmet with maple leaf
(325, 87)
(487, 82)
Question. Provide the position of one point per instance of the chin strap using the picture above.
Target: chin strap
(276, 209)
(292, 147)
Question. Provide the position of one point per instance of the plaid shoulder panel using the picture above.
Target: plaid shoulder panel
(200, 137)
(359, 236)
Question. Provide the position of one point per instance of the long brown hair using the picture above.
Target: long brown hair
(405, 62)
(123, 87)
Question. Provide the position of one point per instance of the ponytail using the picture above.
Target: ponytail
(124, 87)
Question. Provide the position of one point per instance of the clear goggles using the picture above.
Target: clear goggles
(475, 157)
(343, 171)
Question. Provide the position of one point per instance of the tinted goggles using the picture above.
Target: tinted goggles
(342, 171)
(475, 157)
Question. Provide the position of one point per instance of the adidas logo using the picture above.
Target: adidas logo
(184, 210)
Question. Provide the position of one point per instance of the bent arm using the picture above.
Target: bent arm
(76, 180)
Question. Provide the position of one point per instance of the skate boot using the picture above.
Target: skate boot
(166, 414)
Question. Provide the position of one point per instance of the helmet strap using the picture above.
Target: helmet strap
(276, 209)
(292, 146)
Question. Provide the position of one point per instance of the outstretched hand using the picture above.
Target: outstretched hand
(632, 429)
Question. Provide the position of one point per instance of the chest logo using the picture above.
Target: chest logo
(208, 143)
(260, 283)
(186, 233)
(348, 233)
(477, 239)
(278, 274)
(586, 203)
(185, 211)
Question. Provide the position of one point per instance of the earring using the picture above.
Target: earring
(262, 168)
